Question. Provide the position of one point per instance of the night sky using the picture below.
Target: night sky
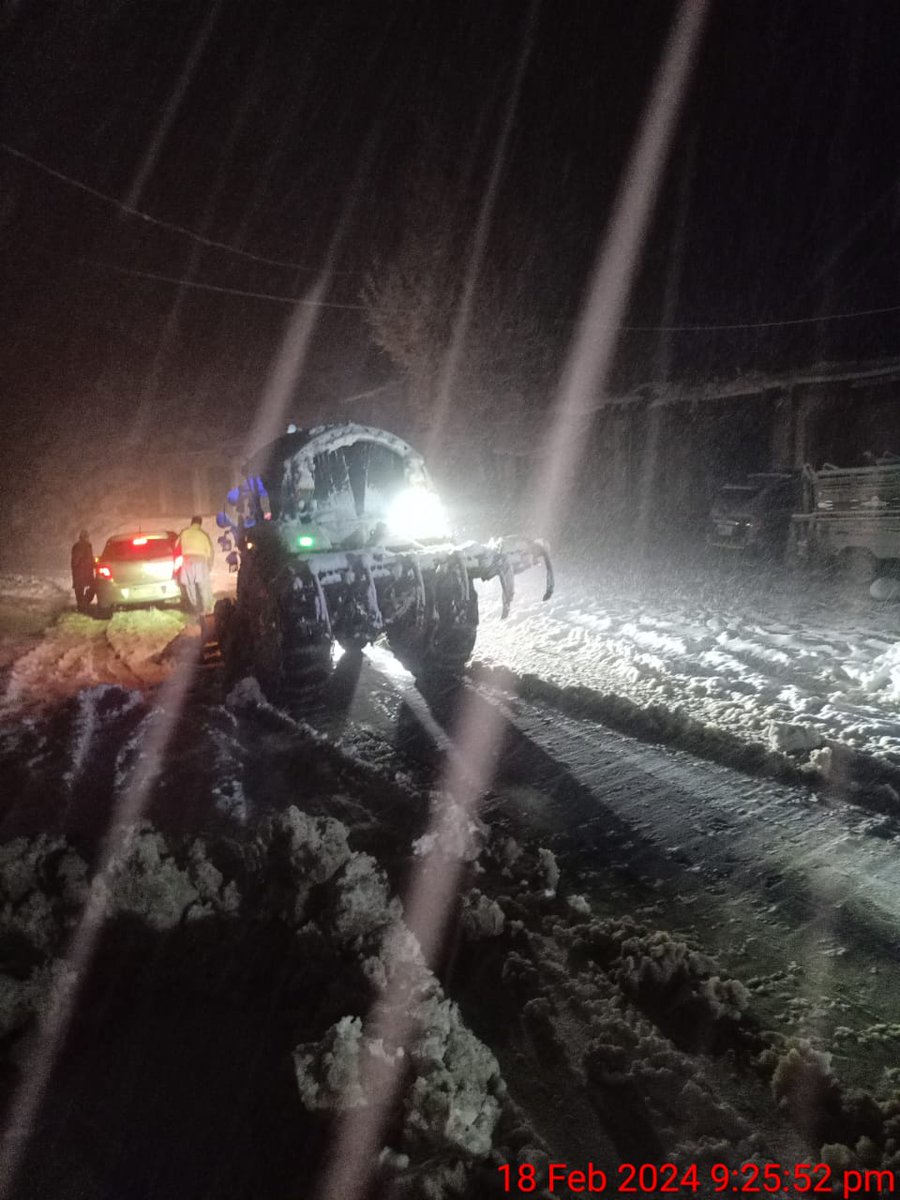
(297, 130)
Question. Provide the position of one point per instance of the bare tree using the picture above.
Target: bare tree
(412, 300)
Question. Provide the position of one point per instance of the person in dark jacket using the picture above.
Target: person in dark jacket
(83, 571)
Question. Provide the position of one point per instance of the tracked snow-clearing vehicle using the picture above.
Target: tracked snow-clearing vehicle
(341, 537)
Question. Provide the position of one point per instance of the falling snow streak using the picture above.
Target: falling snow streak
(471, 763)
(153, 151)
(591, 352)
(479, 241)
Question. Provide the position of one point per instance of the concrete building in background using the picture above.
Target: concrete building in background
(665, 448)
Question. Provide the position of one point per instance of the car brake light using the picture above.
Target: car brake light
(104, 570)
(177, 563)
(142, 541)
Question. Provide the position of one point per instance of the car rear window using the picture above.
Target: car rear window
(140, 547)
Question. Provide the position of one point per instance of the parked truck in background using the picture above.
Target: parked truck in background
(751, 517)
(850, 516)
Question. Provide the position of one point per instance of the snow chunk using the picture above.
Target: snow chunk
(147, 882)
(883, 674)
(793, 739)
(549, 869)
(481, 917)
(726, 998)
(42, 883)
(837, 1156)
(834, 762)
(455, 1097)
(804, 1086)
(401, 964)
(328, 1072)
(362, 907)
(246, 693)
(303, 851)
(454, 834)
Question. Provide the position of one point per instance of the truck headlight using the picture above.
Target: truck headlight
(417, 513)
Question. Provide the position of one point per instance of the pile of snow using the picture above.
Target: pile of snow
(303, 852)
(632, 1017)
(44, 888)
(880, 675)
(453, 1089)
(43, 884)
(78, 651)
(481, 917)
(149, 881)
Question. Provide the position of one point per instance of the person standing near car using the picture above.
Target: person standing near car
(196, 549)
(83, 571)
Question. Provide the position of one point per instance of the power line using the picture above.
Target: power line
(282, 299)
(183, 231)
(170, 226)
(212, 287)
(844, 316)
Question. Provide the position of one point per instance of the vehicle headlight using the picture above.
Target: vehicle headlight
(417, 513)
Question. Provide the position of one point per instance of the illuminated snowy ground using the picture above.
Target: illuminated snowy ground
(789, 663)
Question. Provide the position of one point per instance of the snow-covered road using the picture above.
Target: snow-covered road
(803, 668)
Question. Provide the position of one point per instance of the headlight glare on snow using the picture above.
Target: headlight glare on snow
(417, 513)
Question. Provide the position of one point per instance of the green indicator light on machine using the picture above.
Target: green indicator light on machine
(306, 540)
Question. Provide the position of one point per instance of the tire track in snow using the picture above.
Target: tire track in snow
(715, 815)
(768, 878)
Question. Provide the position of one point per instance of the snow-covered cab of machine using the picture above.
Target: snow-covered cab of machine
(342, 537)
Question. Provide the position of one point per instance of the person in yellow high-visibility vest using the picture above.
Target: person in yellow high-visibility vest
(196, 549)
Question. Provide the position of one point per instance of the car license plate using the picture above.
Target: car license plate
(725, 530)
